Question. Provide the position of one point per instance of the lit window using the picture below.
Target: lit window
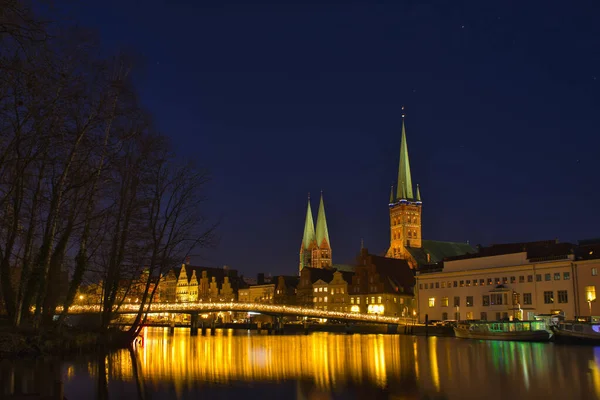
(444, 302)
(314, 299)
(379, 299)
(325, 299)
(320, 289)
(432, 302)
(351, 300)
(358, 300)
(315, 290)
(590, 293)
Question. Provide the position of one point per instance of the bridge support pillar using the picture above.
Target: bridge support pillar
(348, 329)
(392, 328)
(172, 328)
(194, 324)
(203, 329)
(213, 328)
(305, 328)
(279, 325)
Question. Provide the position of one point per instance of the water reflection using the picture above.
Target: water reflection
(323, 366)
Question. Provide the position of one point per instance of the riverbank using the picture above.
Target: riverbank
(30, 343)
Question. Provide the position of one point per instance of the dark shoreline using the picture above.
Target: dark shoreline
(53, 342)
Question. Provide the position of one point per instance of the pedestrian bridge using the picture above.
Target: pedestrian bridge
(268, 309)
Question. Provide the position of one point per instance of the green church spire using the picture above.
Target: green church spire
(404, 189)
(322, 232)
(309, 228)
(418, 193)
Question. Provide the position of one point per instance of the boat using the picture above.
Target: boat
(524, 331)
(577, 332)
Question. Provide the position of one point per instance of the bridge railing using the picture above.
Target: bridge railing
(243, 307)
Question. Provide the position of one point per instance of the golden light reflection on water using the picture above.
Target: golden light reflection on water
(326, 359)
(403, 366)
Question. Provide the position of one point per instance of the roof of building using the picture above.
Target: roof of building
(395, 274)
(588, 249)
(439, 251)
(218, 273)
(325, 274)
(322, 233)
(404, 189)
(290, 281)
(343, 267)
(537, 249)
(309, 228)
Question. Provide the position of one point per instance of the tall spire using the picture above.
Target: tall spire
(309, 227)
(418, 193)
(404, 189)
(322, 232)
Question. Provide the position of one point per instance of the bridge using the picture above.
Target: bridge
(274, 310)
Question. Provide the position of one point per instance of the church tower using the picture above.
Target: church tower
(405, 208)
(315, 250)
(322, 254)
(309, 241)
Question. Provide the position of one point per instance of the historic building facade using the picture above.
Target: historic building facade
(184, 285)
(383, 286)
(315, 250)
(406, 210)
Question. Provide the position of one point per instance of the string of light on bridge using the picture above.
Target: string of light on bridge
(241, 307)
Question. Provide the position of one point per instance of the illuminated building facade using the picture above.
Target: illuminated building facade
(517, 280)
(406, 209)
(257, 294)
(285, 290)
(315, 250)
(192, 284)
(383, 286)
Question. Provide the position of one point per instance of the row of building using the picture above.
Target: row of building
(375, 284)
(510, 281)
(419, 277)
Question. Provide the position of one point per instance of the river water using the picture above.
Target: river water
(317, 366)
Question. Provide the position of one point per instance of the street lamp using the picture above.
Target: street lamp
(591, 297)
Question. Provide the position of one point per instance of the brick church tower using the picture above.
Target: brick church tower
(315, 250)
(405, 208)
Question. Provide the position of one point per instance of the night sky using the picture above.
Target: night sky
(284, 98)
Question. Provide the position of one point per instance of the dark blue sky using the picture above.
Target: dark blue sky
(285, 98)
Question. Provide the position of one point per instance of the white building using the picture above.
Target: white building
(517, 284)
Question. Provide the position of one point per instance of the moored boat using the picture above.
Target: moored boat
(525, 331)
(577, 332)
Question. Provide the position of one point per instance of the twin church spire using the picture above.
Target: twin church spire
(315, 250)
